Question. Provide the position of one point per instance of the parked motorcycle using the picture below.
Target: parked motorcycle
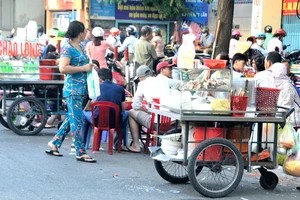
(294, 56)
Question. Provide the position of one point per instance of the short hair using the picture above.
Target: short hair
(96, 63)
(274, 57)
(146, 30)
(105, 74)
(260, 62)
(51, 48)
(239, 56)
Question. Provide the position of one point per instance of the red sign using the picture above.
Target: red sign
(8, 48)
(289, 7)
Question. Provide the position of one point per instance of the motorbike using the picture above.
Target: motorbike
(294, 56)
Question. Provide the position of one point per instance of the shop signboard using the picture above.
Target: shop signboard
(256, 16)
(200, 14)
(64, 4)
(135, 10)
(102, 9)
(11, 66)
(289, 7)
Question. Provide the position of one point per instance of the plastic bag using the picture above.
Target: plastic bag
(287, 138)
(292, 164)
(93, 84)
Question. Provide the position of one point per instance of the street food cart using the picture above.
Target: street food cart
(213, 163)
(31, 89)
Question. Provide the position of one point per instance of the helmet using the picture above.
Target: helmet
(268, 29)
(114, 31)
(281, 32)
(156, 30)
(205, 29)
(260, 35)
(236, 33)
(98, 32)
(131, 29)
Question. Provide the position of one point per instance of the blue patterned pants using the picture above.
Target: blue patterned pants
(73, 123)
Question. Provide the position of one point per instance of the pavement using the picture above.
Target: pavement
(26, 172)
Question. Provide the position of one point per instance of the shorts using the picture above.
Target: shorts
(143, 119)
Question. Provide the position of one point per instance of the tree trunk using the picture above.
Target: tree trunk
(225, 15)
(87, 14)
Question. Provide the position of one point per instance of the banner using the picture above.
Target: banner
(135, 10)
(100, 9)
(256, 16)
(289, 7)
(200, 14)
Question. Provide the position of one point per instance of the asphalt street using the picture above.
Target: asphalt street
(26, 172)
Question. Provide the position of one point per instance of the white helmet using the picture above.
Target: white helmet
(98, 32)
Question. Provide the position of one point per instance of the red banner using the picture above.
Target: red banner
(64, 4)
(289, 7)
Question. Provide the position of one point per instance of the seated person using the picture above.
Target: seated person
(109, 92)
(238, 63)
(206, 41)
(148, 88)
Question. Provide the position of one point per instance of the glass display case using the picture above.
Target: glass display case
(203, 91)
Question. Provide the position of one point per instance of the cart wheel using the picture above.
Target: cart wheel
(23, 115)
(173, 172)
(268, 181)
(222, 170)
(3, 118)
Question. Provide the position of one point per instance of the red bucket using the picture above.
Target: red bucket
(47, 73)
(211, 153)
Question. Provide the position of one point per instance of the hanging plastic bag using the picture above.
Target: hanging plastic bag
(292, 163)
(93, 84)
(287, 139)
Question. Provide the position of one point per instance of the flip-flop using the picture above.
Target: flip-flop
(298, 187)
(53, 152)
(46, 126)
(85, 159)
(130, 151)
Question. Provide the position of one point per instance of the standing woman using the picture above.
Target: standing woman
(96, 48)
(159, 45)
(75, 64)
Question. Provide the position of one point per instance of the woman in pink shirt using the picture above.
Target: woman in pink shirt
(96, 49)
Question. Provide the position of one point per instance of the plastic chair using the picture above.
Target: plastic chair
(164, 126)
(103, 124)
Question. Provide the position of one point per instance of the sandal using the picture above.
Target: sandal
(85, 158)
(53, 152)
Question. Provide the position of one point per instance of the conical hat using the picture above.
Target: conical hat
(242, 47)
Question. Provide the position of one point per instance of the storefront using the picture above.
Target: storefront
(291, 24)
(59, 13)
(133, 12)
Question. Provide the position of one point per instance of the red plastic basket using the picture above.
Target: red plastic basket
(266, 99)
(215, 64)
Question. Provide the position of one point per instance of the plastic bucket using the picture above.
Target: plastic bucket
(47, 73)
(211, 153)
